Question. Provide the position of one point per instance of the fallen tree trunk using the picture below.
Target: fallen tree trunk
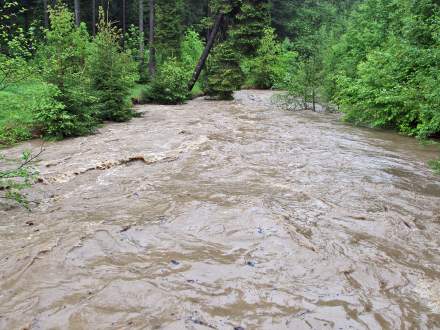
(206, 51)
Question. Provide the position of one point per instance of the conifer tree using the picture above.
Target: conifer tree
(249, 24)
(169, 27)
(224, 73)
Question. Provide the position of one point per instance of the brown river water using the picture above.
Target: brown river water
(226, 215)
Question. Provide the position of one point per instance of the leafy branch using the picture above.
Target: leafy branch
(21, 176)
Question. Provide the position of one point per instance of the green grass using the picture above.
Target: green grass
(435, 165)
(16, 115)
(197, 90)
(136, 92)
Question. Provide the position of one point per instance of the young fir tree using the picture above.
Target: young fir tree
(224, 72)
(248, 25)
(62, 60)
(112, 72)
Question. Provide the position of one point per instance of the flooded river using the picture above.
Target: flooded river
(226, 215)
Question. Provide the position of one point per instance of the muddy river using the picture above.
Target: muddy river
(226, 215)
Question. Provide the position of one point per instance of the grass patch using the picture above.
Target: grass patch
(197, 90)
(17, 102)
(136, 92)
(435, 165)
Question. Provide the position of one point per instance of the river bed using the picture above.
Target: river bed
(226, 215)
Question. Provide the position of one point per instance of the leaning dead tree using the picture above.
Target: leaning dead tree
(206, 51)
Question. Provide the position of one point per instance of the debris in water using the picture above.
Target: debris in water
(125, 228)
(175, 262)
(251, 263)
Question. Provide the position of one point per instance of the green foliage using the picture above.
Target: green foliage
(20, 106)
(112, 73)
(270, 66)
(435, 165)
(387, 72)
(15, 178)
(169, 28)
(62, 60)
(224, 73)
(170, 85)
(13, 70)
(132, 40)
(250, 22)
(191, 49)
(15, 46)
(301, 85)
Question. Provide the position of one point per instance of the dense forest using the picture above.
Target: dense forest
(68, 66)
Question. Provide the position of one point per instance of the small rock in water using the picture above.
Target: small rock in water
(251, 263)
(175, 262)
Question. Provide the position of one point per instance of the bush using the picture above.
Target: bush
(14, 178)
(132, 39)
(170, 85)
(112, 73)
(191, 49)
(62, 60)
(224, 73)
(397, 87)
(302, 83)
(270, 65)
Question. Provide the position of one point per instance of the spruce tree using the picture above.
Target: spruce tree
(224, 73)
(249, 24)
(169, 28)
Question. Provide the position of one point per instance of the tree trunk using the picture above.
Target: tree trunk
(152, 49)
(26, 14)
(94, 17)
(124, 21)
(206, 52)
(141, 31)
(77, 12)
(46, 14)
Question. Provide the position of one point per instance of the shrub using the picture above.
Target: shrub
(191, 49)
(112, 73)
(170, 85)
(224, 73)
(270, 65)
(132, 39)
(14, 178)
(397, 87)
(302, 83)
